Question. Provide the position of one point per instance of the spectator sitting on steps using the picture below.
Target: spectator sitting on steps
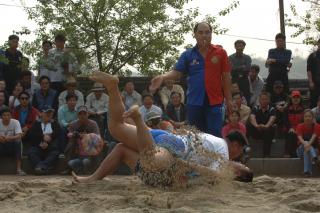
(10, 138)
(43, 137)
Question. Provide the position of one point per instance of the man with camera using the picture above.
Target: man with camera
(78, 130)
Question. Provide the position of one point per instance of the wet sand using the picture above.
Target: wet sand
(129, 194)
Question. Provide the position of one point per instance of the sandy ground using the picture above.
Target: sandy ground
(128, 194)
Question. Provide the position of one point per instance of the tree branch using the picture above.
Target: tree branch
(84, 15)
(125, 61)
(115, 52)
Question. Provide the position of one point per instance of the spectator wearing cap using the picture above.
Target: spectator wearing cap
(240, 67)
(130, 96)
(97, 103)
(45, 96)
(12, 68)
(83, 125)
(64, 63)
(279, 101)
(261, 122)
(148, 106)
(279, 64)
(313, 71)
(316, 111)
(279, 96)
(176, 111)
(25, 114)
(43, 137)
(71, 88)
(154, 121)
(168, 88)
(256, 84)
(10, 138)
(243, 110)
(293, 116)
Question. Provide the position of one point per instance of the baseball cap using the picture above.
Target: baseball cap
(295, 93)
(277, 83)
(47, 108)
(82, 108)
(152, 115)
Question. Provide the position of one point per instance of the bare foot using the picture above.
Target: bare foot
(132, 113)
(104, 78)
(78, 179)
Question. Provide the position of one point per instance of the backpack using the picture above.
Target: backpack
(90, 144)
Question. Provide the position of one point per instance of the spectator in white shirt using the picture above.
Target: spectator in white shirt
(256, 84)
(64, 63)
(10, 138)
(148, 106)
(166, 91)
(71, 86)
(97, 103)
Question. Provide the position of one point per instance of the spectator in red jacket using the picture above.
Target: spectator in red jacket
(25, 114)
(308, 134)
(293, 116)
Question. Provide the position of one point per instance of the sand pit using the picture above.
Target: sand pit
(128, 194)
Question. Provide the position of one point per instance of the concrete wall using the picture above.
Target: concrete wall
(260, 166)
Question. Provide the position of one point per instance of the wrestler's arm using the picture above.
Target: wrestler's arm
(202, 170)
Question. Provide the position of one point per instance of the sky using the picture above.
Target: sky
(252, 18)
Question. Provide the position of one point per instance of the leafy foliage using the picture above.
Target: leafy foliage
(118, 35)
(308, 24)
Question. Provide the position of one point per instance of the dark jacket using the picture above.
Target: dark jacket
(172, 115)
(49, 99)
(35, 134)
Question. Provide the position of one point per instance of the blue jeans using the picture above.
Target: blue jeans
(80, 164)
(307, 158)
(208, 119)
(43, 158)
(63, 139)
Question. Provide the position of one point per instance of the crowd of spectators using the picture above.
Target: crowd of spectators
(50, 116)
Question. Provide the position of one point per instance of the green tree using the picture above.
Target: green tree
(307, 24)
(119, 34)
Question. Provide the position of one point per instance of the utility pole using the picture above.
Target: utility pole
(282, 25)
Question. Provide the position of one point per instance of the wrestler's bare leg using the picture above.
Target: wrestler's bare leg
(121, 131)
(151, 159)
(120, 154)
